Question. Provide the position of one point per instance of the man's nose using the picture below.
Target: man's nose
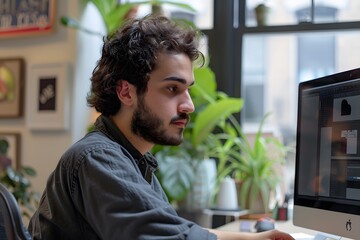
(187, 105)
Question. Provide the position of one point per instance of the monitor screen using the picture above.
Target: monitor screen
(327, 174)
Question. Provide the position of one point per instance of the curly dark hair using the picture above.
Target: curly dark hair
(131, 54)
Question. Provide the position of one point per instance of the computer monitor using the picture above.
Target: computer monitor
(327, 173)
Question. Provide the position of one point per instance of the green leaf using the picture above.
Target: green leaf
(244, 189)
(116, 16)
(69, 22)
(104, 6)
(176, 174)
(253, 193)
(205, 84)
(212, 115)
(265, 194)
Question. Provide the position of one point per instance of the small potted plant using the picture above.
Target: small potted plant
(262, 11)
(253, 164)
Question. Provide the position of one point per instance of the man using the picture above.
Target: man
(104, 186)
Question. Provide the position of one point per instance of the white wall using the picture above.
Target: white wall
(42, 149)
(88, 52)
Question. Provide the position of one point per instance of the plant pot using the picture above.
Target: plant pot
(257, 207)
(262, 15)
(157, 9)
(227, 197)
(201, 193)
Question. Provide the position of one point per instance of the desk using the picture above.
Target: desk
(284, 226)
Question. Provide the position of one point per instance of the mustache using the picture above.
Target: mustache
(182, 116)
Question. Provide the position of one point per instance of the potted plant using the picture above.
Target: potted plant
(17, 182)
(262, 12)
(253, 165)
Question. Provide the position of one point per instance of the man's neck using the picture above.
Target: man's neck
(138, 142)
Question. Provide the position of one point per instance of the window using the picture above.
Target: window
(273, 63)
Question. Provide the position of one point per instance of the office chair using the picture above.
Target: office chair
(11, 225)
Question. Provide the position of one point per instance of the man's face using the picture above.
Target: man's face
(163, 111)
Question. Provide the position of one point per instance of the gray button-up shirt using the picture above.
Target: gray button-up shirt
(103, 188)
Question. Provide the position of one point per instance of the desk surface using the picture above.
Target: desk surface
(284, 226)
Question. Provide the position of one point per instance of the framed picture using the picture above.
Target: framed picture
(26, 18)
(49, 107)
(10, 142)
(11, 87)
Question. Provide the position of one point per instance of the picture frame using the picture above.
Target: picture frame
(49, 107)
(32, 19)
(13, 151)
(12, 85)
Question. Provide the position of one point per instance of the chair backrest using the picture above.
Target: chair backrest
(11, 224)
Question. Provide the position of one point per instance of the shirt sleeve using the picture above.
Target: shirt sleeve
(127, 206)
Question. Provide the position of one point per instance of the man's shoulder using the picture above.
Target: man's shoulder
(94, 143)
(93, 139)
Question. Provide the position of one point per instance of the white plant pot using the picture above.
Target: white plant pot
(202, 192)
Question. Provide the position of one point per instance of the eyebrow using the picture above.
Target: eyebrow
(177, 79)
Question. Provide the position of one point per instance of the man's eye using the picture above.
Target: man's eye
(173, 89)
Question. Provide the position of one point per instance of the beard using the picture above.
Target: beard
(147, 125)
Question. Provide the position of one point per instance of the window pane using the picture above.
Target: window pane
(344, 11)
(290, 12)
(253, 78)
(273, 66)
(280, 12)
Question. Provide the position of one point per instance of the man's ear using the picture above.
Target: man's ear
(125, 92)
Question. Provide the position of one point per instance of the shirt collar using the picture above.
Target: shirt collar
(108, 127)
